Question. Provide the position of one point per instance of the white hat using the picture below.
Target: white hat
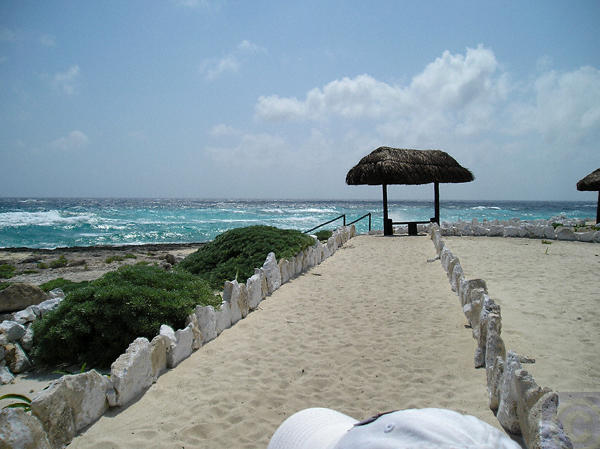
(322, 428)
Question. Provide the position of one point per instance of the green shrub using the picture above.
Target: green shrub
(96, 323)
(65, 285)
(4, 285)
(42, 265)
(237, 252)
(130, 256)
(111, 259)
(59, 263)
(324, 235)
(7, 271)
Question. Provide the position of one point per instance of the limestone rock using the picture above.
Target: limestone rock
(131, 374)
(17, 359)
(467, 287)
(69, 404)
(56, 293)
(222, 317)
(243, 301)
(272, 273)
(180, 346)
(18, 296)
(563, 233)
(507, 395)
(12, 330)
(494, 379)
(6, 377)
(27, 339)
(207, 322)
(284, 269)
(456, 277)
(47, 306)
(231, 294)
(541, 427)
(192, 320)
(20, 430)
(264, 289)
(158, 355)
(585, 236)
(253, 287)
(28, 315)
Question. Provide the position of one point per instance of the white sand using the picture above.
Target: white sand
(550, 300)
(373, 328)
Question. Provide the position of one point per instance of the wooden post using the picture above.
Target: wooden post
(436, 192)
(386, 230)
(598, 209)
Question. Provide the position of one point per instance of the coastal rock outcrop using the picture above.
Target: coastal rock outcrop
(131, 374)
(20, 430)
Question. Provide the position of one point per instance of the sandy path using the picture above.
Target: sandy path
(550, 299)
(373, 328)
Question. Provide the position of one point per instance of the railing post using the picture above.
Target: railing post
(344, 215)
(369, 221)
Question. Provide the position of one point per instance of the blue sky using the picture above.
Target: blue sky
(278, 99)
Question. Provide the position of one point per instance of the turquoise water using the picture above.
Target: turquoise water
(52, 223)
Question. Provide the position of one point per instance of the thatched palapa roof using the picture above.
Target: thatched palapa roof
(387, 165)
(590, 182)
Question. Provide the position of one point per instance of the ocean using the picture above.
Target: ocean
(67, 222)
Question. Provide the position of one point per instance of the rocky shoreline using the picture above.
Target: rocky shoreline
(85, 263)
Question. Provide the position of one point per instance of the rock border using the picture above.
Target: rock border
(73, 402)
(520, 404)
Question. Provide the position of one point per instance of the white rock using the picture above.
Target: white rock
(6, 377)
(507, 395)
(158, 355)
(13, 330)
(271, 270)
(243, 301)
(56, 293)
(48, 305)
(456, 277)
(20, 430)
(192, 320)
(263, 282)
(253, 286)
(563, 233)
(284, 266)
(17, 359)
(223, 317)
(131, 374)
(597, 236)
(231, 294)
(541, 428)
(207, 322)
(27, 315)
(584, 236)
(181, 345)
(69, 404)
(27, 339)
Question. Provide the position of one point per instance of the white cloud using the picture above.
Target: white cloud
(67, 81)
(213, 68)
(222, 129)
(73, 141)
(48, 40)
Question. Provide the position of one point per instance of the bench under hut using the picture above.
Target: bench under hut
(387, 165)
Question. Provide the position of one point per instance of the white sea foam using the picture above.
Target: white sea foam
(312, 211)
(47, 218)
(485, 207)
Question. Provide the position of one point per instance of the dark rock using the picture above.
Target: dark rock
(19, 296)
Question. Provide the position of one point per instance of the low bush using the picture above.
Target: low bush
(4, 285)
(324, 235)
(65, 285)
(111, 259)
(7, 271)
(95, 324)
(235, 253)
(59, 263)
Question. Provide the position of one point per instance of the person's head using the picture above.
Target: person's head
(322, 428)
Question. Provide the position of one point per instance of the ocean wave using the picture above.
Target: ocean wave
(485, 207)
(312, 211)
(47, 218)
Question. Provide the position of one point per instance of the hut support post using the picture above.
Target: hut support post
(436, 193)
(598, 209)
(387, 225)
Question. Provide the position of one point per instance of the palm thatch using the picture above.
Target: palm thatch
(387, 165)
(590, 182)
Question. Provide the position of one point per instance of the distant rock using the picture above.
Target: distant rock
(19, 296)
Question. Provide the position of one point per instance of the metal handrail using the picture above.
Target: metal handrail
(326, 223)
(358, 219)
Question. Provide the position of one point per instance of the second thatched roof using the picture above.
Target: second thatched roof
(387, 165)
(590, 182)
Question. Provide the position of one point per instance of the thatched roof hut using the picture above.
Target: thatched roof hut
(592, 182)
(387, 165)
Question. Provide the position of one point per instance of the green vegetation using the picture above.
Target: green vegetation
(238, 251)
(95, 324)
(42, 265)
(23, 401)
(59, 263)
(546, 242)
(324, 235)
(3, 285)
(116, 258)
(7, 271)
(65, 285)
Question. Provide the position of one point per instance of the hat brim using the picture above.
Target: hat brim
(312, 428)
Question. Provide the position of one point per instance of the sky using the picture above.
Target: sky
(279, 99)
